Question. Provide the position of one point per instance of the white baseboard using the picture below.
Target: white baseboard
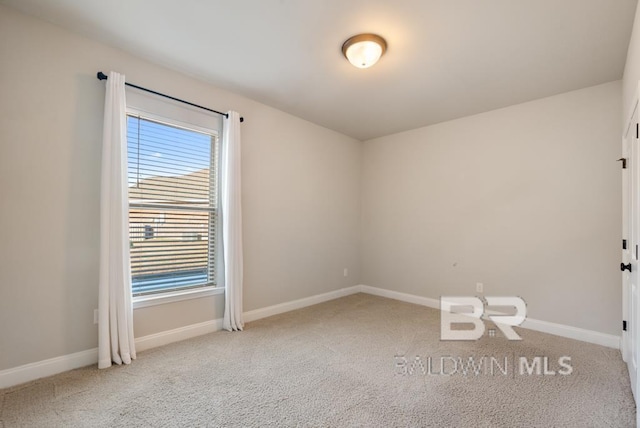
(299, 304)
(33, 371)
(590, 336)
(604, 339)
(52, 366)
(194, 330)
(176, 335)
(404, 297)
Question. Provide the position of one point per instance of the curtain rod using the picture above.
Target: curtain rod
(102, 76)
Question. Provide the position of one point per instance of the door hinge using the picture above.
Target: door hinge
(624, 162)
(624, 244)
(624, 326)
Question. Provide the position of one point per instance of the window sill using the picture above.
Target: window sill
(175, 296)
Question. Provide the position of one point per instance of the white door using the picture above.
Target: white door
(631, 247)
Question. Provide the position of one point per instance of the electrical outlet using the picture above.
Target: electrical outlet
(346, 272)
(95, 316)
(479, 287)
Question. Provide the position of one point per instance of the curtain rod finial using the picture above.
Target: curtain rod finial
(101, 76)
(241, 119)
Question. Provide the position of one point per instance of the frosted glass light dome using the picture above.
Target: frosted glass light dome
(364, 50)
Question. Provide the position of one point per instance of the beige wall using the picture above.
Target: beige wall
(524, 199)
(300, 194)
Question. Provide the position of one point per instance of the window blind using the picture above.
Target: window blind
(172, 178)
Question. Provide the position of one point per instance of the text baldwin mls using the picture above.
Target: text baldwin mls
(482, 366)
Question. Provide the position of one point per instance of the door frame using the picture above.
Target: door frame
(631, 212)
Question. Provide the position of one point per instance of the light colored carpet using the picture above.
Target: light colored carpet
(332, 365)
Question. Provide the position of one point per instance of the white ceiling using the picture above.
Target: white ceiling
(446, 58)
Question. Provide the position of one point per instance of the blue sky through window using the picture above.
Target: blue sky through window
(156, 149)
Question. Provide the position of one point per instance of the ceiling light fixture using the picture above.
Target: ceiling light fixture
(364, 50)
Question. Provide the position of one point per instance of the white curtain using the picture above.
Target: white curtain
(231, 205)
(115, 312)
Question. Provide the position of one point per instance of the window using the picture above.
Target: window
(173, 204)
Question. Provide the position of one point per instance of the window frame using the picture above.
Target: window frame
(145, 107)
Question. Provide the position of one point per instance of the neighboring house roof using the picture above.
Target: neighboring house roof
(193, 188)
